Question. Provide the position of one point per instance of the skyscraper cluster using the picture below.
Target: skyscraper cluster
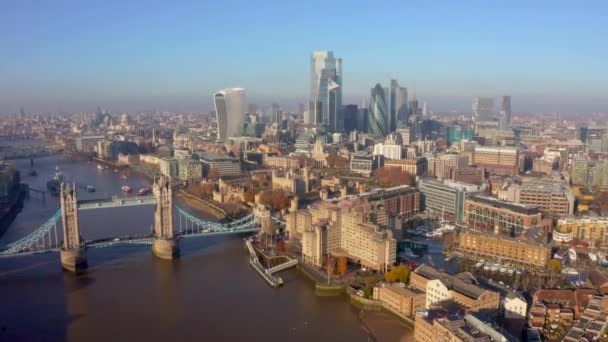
(325, 106)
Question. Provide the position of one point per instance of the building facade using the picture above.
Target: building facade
(230, 111)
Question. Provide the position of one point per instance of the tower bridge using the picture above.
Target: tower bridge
(164, 238)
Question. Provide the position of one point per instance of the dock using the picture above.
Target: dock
(267, 273)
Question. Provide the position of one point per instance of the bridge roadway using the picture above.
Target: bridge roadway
(116, 202)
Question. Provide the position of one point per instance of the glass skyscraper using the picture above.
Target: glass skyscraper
(378, 112)
(505, 112)
(230, 106)
(325, 106)
(397, 106)
(483, 109)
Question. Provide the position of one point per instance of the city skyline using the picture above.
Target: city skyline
(448, 53)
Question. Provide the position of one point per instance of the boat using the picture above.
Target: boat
(486, 267)
(601, 258)
(100, 167)
(570, 271)
(593, 257)
(503, 269)
(494, 267)
(479, 264)
(572, 254)
(408, 254)
(54, 185)
(123, 177)
(143, 191)
(89, 188)
(127, 189)
(510, 271)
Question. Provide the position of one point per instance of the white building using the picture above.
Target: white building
(436, 291)
(388, 151)
(515, 306)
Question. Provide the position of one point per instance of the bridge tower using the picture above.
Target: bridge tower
(73, 252)
(166, 245)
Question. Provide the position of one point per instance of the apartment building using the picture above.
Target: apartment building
(278, 162)
(439, 326)
(500, 160)
(405, 300)
(523, 250)
(584, 229)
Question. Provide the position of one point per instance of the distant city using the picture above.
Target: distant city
(487, 225)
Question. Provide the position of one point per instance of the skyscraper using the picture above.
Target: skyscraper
(253, 109)
(378, 112)
(350, 117)
(326, 90)
(483, 109)
(230, 111)
(505, 112)
(397, 105)
(276, 114)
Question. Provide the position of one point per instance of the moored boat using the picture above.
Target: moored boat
(127, 189)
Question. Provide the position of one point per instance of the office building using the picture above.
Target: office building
(470, 175)
(503, 160)
(484, 212)
(414, 166)
(441, 165)
(589, 173)
(219, 165)
(389, 151)
(505, 112)
(350, 112)
(230, 112)
(445, 197)
(276, 115)
(365, 163)
(397, 105)
(378, 112)
(325, 104)
(483, 109)
(551, 197)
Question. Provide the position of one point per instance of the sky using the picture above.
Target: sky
(134, 55)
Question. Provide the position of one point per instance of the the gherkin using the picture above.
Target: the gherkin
(378, 112)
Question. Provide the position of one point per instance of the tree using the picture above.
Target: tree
(368, 288)
(391, 176)
(342, 265)
(280, 200)
(554, 265)
(400, 274)
(598, 243)
(585, 244)
(249, 195)
(335, 161)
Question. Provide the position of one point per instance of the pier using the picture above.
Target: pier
(267, 273)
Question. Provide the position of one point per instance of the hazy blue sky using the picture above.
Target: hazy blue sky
(129, 55)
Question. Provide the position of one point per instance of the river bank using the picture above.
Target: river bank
(197, 205)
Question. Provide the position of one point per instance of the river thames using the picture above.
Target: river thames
(210, 293)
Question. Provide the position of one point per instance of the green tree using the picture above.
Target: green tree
(400, 274)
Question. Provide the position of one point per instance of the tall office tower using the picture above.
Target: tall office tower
(378, 112)
(276, 114)
(363, 119)
(397, 105)
(230, 111)
(505, 112)
(252, 109)
(483, 109)
(412, 110)
(301, 110)
(425, 109)
(350, 117)
(325, 90)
